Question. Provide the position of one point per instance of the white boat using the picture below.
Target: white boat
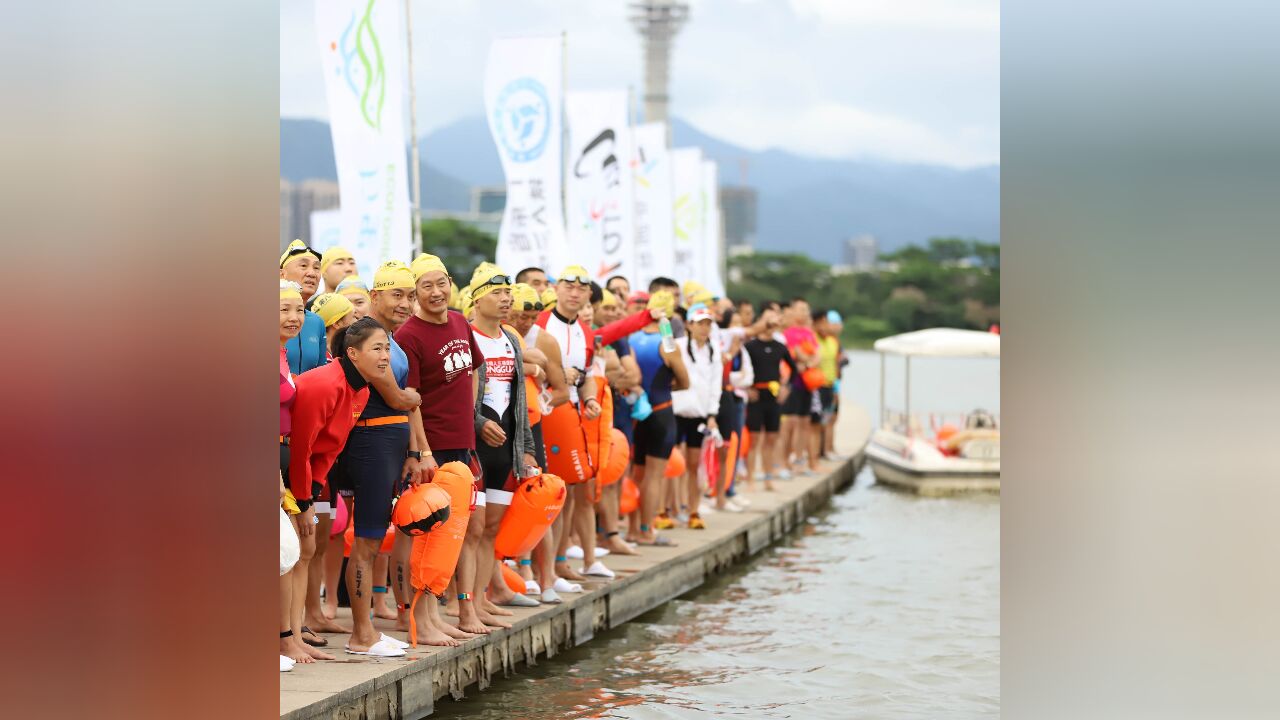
(953, 458)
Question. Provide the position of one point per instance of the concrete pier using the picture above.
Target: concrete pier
(356, 688)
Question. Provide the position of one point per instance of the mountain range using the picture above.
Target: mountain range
(803, 202)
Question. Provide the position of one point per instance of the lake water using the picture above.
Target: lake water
(884, 605)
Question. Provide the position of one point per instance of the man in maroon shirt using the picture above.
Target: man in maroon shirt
(442, 353)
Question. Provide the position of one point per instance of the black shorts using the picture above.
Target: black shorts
(339, 481)
(373, 460)
(798, 402)
(539, 446)
(495, 462)
(826, 405)
(687, 431)
(655, 436)
(729, 420)
(764, 413)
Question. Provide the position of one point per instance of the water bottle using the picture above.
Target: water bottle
(668, 340)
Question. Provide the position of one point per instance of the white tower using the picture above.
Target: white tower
(658, 22)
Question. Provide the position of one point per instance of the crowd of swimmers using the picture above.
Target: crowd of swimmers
(384, 382)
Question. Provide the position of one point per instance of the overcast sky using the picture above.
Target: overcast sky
(903, 80)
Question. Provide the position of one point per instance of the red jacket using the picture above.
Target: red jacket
(329, 401)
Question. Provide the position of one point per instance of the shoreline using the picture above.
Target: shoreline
(409, 687)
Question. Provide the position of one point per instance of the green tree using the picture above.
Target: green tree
(460, 246)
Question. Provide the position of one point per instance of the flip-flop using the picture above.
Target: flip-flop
(550, 597)
(398, 643)
(382, 648)
(562, 585)
(322, 642)
(531, 587)
(518, 600)
(286, 664)
(598, 569)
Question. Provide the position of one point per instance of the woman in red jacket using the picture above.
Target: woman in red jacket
(329, 400)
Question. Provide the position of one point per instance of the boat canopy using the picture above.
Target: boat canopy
(942, 342)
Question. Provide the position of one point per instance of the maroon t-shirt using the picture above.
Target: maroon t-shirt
(441, 358)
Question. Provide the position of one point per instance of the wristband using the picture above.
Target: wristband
(415, 454)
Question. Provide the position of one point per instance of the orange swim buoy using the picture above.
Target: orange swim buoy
(534, 506)
(730, 461)
(615, 466)
(566, 445)
(421, 509)
(349, 537)
(744, 447)
(675, 465)
(435, 555)
(629, 500)
(514, 582)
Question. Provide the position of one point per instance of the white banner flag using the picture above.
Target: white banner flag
(363, 79)
(326, 232)
(522, 97)
(686, 178)
(597, 191)
(654, 229)
(712, 255)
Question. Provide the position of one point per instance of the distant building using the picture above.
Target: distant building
(862, 252)
(489, 200)
(296, 203)
(739, 209)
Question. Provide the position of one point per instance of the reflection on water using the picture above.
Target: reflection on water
(883, 606)
(886, 605)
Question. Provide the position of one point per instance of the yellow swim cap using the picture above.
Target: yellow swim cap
(525, 298)
(465, 303)
(575, 273)
(290, 290)
(334, 253)
(663, 300)
(426, 263)
(331, 307)
(702, 296)
(608, 298)
(482, 280)
(353, 285)
(296, 248)
(455, 296)
(392, 275)
(692, 288)
(548, 298)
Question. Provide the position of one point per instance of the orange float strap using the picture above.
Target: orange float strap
(435, 555)
(535, 504)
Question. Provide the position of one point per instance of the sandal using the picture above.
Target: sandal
(321, 642)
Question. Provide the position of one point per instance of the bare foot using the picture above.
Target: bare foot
(381, 610)
(324, 624)
(618, 546)
(475, 627)
(451, 609)
(330, 610)
(432, 636)
(453, 632)
(494, 609)
(289, 648)
(768, 486)
(317, 653)
(490, 620)
(568, 573)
